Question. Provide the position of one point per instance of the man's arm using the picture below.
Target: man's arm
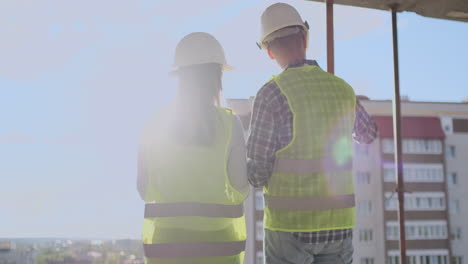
(365, 129)
(237, 165)
(261, 145)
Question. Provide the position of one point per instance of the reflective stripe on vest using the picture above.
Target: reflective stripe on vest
(193, 209)
(310, 203)
(296, 166)
(189, 250)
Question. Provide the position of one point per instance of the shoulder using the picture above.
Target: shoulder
(269, 96)
(233, 118)
(237, 123)
(226, 113)
(335, 78)
(237, 130)
(341, 82)
(268, 91)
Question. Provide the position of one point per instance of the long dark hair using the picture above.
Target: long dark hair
(198, 96)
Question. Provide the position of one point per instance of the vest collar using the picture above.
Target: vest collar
(301, 63)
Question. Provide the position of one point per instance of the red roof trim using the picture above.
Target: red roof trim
(411, 126)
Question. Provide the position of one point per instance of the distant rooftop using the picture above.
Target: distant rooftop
(405, 98)
(7, 245)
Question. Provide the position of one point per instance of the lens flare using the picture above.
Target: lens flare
(342, 150)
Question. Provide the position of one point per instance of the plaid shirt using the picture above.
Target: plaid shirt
(272, 128)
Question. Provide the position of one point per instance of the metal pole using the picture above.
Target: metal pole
(330, 39)
(397, 140)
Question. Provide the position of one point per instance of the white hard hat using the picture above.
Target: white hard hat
(199, 48)
(279, 16)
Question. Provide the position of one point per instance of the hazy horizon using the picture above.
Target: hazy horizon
(79, 80)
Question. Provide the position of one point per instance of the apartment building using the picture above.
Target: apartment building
(435, 157)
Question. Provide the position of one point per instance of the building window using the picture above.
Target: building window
(447, 124)
(259, 259)
(457, 260)
(364, 207)
(367, 260)
(365, 235)
(387, 146)
(361, 150)
(450, 152)
(415, 146)
(363, 177)
(418, 201)
(434, 259)
(460, 125)
(392, 232)
(418, 230)
(391, 201)
(409, 260)
(389, 175)
(416, 173)
(423, 257)
(259, 230)
(456, 233)
(412, 260)
(393, 260)
(453, 179)
(454, 206)
(259, 201)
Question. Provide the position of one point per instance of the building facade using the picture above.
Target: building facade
(435, 168)
(10, 254)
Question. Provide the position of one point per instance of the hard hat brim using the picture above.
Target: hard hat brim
(227, 67)
(268, 36)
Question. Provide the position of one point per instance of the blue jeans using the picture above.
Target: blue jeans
(283, 247)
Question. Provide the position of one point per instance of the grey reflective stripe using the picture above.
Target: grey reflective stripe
(301, 166)
(310, 203)
(193, 209)
(192, 250)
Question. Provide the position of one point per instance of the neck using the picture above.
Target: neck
(284, 62)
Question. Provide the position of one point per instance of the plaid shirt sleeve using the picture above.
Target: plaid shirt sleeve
(365, 129)
(262, 144)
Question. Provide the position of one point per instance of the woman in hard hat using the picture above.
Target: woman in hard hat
(192, 168)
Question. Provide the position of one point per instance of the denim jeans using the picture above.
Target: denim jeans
(283, 247)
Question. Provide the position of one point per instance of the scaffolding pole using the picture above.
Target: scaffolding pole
(396, 114)
(330, 38)
(397, 139)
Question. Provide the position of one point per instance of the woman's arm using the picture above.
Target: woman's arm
(237, 160)
(142, 172)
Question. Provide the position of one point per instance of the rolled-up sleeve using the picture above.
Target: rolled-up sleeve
(365, 129)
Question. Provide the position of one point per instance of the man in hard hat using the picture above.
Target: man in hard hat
(300, 149)
(192, 171)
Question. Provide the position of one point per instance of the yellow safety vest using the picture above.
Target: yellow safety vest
(311, 188)
(193, 214)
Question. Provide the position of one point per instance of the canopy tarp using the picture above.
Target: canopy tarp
(444, 9)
